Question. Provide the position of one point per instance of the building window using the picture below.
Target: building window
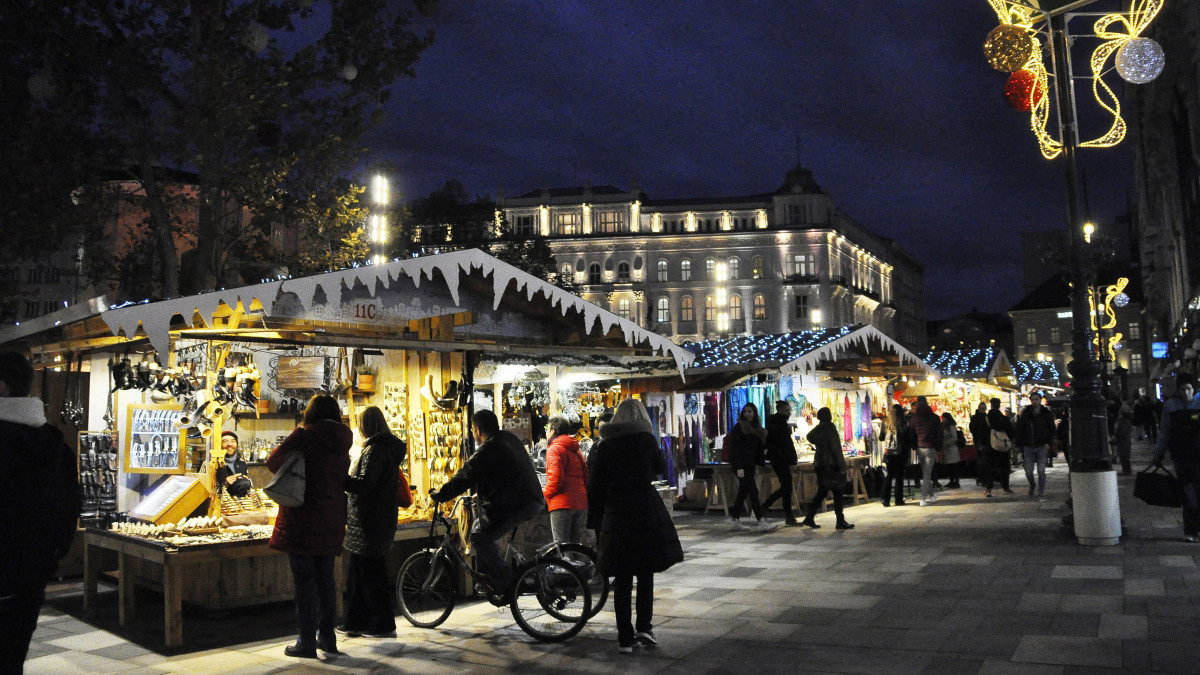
(760, 307)
(735, 307)
(526, 226)
(594, 273)
(685, 270)
(31, 309)
(686, 312)
(803, 265)
(1135, 364)
(664, 310)
(709, 309)
(50, 306)
(610, 222)
(734, 263)
(1055, 335)
(1031, 336)
(623, 308)
(663, 274)
(623, 271)
(565, 274)
(802, 307)
(710, 268)
(1135, 330)
(756, 268)
(566, 223)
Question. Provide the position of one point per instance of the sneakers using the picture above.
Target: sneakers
(1008, 492)
(738, 526)
(647, 639)
(766, 525)
(342, 630)
(1041, 498)
(925, 502)
(1189, 538)
(625, 649)
(987, 493)
(379, 634)
(932, 498)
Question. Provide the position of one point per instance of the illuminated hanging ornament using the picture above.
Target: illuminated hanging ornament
(1120, 299)
(1140, 60)
(349, 72)
(1023, 90)
(1008, 48)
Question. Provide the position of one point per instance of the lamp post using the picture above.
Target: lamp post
(377, 230)
(1014, 47)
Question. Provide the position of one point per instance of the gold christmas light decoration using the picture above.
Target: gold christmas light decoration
(1009, 47)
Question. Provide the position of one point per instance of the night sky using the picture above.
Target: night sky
(896, 111)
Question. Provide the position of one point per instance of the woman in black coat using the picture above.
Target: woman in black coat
(371, 527)
(746, 444)
(636, 535)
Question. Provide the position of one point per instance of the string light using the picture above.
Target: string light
(1140, 60)
(961, 362)
(1023, 90)
(748, 349)
(1036, 371)
(1009, 47)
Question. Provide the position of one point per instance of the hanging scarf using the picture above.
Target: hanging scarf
(847, 421)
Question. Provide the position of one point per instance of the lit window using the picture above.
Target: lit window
(664, 310)
(623, 272)
(1031, 336)
(1135, 330)
(1135, 364)
(710, 268)
(756, 268)
(735, 307)
(803, 265)
(565, 273)
(709, 309)
(686, 311)
(1055, 335)
(566, 223)
(733, 268)
(760, 307)
(685, 270)
(663, 274)
(594, 273)
(623, 308)
(610, 222)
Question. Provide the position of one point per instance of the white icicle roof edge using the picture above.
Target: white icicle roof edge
(859, 336)
(155, 317)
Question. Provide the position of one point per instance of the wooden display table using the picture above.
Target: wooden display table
(221, 575)
(725, 485)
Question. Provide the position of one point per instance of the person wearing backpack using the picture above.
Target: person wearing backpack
(1000, 445)
(1179, 432)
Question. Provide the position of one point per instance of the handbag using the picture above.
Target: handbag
(287, 486)
(1158, 489)
(403, 492)
(1000, 441)
(833, 479)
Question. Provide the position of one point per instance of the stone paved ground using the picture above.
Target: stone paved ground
(968, 585)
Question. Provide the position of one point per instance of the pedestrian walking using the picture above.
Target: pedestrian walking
(895, 458)
(371, 511)
(40, 502)
(781, 452)
(312, 534)
(830, 465)
(925, 432)
(1179, 432)
(952, 445)
(566, 482)
(636, 538)
(978, 426)
(746, 443)
(1122, 440)
(1035, 433)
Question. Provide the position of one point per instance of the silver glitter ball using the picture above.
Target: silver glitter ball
(1140, 60)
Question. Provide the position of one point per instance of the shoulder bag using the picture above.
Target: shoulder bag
(1158, 489)
(403, 491)
(287, 486)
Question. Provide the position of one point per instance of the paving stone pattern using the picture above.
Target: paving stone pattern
(966, 585)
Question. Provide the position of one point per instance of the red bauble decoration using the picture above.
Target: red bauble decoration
(1023, 90)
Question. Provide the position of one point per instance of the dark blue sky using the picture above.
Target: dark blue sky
(898, 116)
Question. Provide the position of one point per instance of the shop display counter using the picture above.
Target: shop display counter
(804, 483)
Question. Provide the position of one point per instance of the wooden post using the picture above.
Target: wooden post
(91, 573)
(126, 589)
(172, 604)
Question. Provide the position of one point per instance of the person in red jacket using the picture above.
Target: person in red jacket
(312, 533)
(566, 482)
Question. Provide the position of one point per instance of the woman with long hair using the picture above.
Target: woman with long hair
(312, 533)
(896, 449)
(746, 445)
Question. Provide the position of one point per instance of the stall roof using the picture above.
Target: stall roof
(452, 301)
(987, 364)
(846, 351)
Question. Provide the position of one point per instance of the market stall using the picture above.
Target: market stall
(170, 376)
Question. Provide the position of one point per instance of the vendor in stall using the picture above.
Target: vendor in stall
(231, 474)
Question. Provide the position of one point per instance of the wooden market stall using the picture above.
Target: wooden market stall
(406, 336)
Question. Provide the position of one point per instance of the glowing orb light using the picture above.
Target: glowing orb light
(1140, 60)
(1008, 48)
(1023, 90)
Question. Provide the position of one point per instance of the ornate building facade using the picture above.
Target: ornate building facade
(696, 269)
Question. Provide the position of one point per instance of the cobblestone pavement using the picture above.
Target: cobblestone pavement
(966, 585)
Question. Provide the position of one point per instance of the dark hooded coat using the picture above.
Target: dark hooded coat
(317, 527)
(372, 487)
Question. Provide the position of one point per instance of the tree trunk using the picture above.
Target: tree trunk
(164, 234)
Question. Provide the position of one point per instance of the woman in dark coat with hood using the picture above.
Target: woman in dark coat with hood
(312, 533)
(746, 444)
(636, 535)
(371, 511)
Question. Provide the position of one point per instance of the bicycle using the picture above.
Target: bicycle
(550, 600)
(583, 558)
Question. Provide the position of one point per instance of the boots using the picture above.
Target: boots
(809, 522)
(843, 525)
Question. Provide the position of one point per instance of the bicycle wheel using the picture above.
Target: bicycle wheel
(583, 558)
(426, 594)
(551, 600)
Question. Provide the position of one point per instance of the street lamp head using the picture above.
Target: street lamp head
(1088, 230)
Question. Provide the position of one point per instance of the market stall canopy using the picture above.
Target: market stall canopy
(463, 300)
(1037, 373)
(984, 364)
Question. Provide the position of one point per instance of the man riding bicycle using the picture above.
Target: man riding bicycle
(508, 490)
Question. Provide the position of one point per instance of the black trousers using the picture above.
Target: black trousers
(747, 490)
(316, 598)
(998, 465)
(18, 616)
(1188, 472)
(895, 475)
(822, 491)
(368, 595)
(784, 473)
(622, 589)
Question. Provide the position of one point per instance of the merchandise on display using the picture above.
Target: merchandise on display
(98, 477)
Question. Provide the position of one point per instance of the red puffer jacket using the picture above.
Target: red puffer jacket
(319, 525)
(566, 475)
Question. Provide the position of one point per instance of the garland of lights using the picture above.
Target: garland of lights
(961, 363)
(783, 348)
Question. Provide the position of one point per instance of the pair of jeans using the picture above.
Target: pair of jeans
(484, 534)
(568, 524)
(19, 615)
(622, 589)
(784, 473)
(316, 598)
(1035, 455)
(747, 490)
(368, 595)
(997, 464)
(927, 457)
(1188, 473)
(895, 475)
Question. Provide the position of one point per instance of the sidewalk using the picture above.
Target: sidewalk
(966, 585)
